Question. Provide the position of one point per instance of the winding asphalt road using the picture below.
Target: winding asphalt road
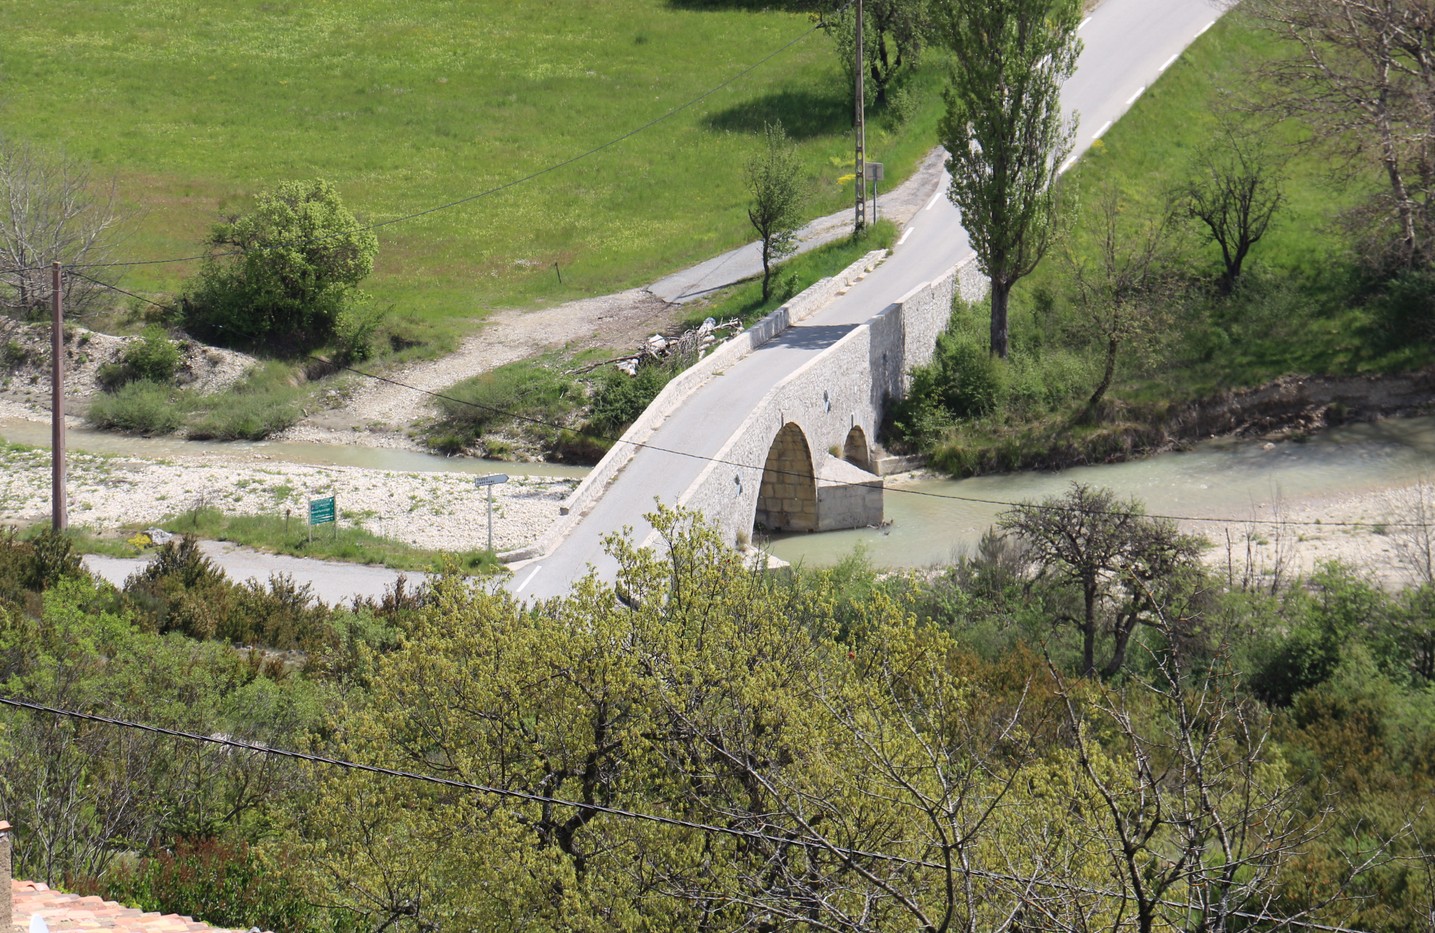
(1128, 45)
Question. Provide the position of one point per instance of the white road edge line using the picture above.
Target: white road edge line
(1205, 29)
(1101, 132)
(933, 203)
(1083, 24)
(528, 579)
(904, 236)
(1169, 62)
(1066, 165)
(1137, 96)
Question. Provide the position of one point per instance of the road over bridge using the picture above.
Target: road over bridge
(776, 429)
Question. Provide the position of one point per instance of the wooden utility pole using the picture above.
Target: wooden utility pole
(58, 513)
(860, 125)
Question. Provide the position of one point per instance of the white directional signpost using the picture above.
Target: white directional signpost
(488, 482)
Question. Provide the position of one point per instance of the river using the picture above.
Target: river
(931, 520)
(37, 434)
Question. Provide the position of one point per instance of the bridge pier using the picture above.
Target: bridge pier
(847, 497)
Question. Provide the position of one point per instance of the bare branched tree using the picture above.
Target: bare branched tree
(1412, 532)
(52, 209)
(1364, 76)
(1124, 563)
(1235, 191)
(1195, 819)
(1125, 291)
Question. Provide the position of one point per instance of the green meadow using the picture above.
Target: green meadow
(1306, 303)
(195, 105)
(1305, 306)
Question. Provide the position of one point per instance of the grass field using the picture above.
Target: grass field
(1303, 307)
(194, 105)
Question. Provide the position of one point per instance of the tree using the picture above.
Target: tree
(1363, 74)
(282, 275)
(1234, 190)
(861, 781)
(1195, 812)
(1004, 132)
(1127, 566)
(776, 200)
(52, 210)
(892, 39)
(1124, 291)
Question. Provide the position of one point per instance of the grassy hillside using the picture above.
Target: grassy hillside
(196, 105)
(1303, 308)
(1305, 305)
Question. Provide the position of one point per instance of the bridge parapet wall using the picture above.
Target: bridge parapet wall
(850, 384)
(682, 386)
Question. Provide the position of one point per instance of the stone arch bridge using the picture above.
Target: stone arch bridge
(797, 456)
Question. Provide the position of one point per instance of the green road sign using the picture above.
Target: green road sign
(321, 511)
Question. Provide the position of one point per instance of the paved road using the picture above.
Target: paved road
(1128, 43)
(333, 582)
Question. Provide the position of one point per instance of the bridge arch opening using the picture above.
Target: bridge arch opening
(787, 499)
(855, 449)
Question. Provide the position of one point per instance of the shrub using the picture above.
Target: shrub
(1408, 307)
(35, 563)
(618, 399)
(969, 379)
(143, 408)
(153, 358)
(245, 418)
(265, 403)
(961, 381)
(284, 273)
(526, 396)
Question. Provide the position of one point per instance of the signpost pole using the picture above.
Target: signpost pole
(488, 482)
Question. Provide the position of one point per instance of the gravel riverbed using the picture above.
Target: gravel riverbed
(441, 511)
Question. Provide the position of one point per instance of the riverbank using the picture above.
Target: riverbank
(430, 510)
(1284, 536)
(1291, 406)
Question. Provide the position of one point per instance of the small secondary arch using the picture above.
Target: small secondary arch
(855, 449)
(787, 500)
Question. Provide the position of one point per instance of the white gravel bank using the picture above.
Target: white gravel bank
(442, 511)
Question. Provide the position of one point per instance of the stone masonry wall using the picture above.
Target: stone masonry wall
(825, 398)
(848, 385)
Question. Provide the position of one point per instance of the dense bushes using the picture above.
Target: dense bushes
(473, 411)
(284, 275)
(899, 704)
(264, 403)
(145, 408)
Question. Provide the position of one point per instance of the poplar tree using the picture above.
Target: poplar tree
(1005, 133)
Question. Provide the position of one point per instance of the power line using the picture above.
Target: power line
(845, 852)
(929, 494)
(642, 445)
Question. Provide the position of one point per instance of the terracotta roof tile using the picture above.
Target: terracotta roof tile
(70, 913)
